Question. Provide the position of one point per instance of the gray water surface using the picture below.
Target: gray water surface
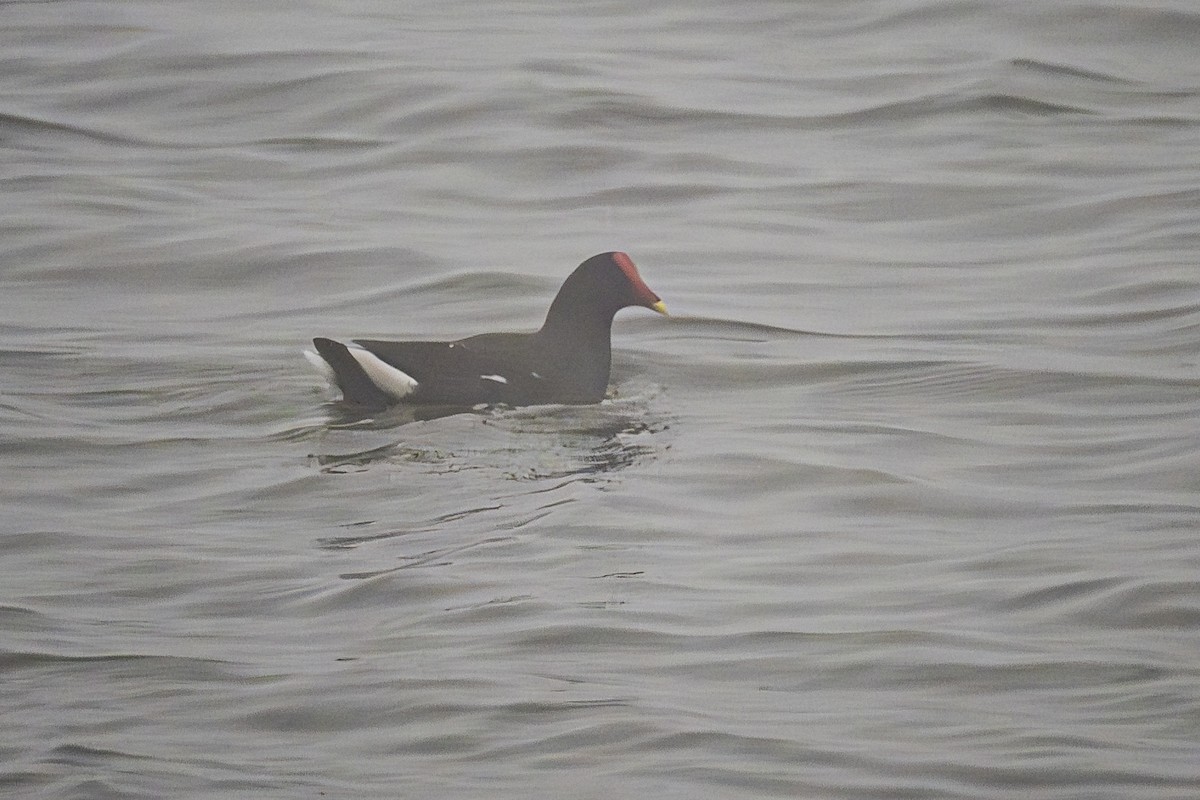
(903, 501)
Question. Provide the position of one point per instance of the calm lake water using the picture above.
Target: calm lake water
(903, 501)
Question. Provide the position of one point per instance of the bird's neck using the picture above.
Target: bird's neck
(580, 344)
(574, 315)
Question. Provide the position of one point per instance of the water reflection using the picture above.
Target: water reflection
(513, 468)
(527, 444)
(348, 415)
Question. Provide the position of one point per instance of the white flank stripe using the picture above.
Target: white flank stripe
(496, 378)
(321, 365)
(389, 379)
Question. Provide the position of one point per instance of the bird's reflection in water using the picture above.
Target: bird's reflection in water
(477, 453)
(530, 443)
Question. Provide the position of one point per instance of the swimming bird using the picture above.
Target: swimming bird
(567, 360)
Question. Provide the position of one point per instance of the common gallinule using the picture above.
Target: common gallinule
(566, 361)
